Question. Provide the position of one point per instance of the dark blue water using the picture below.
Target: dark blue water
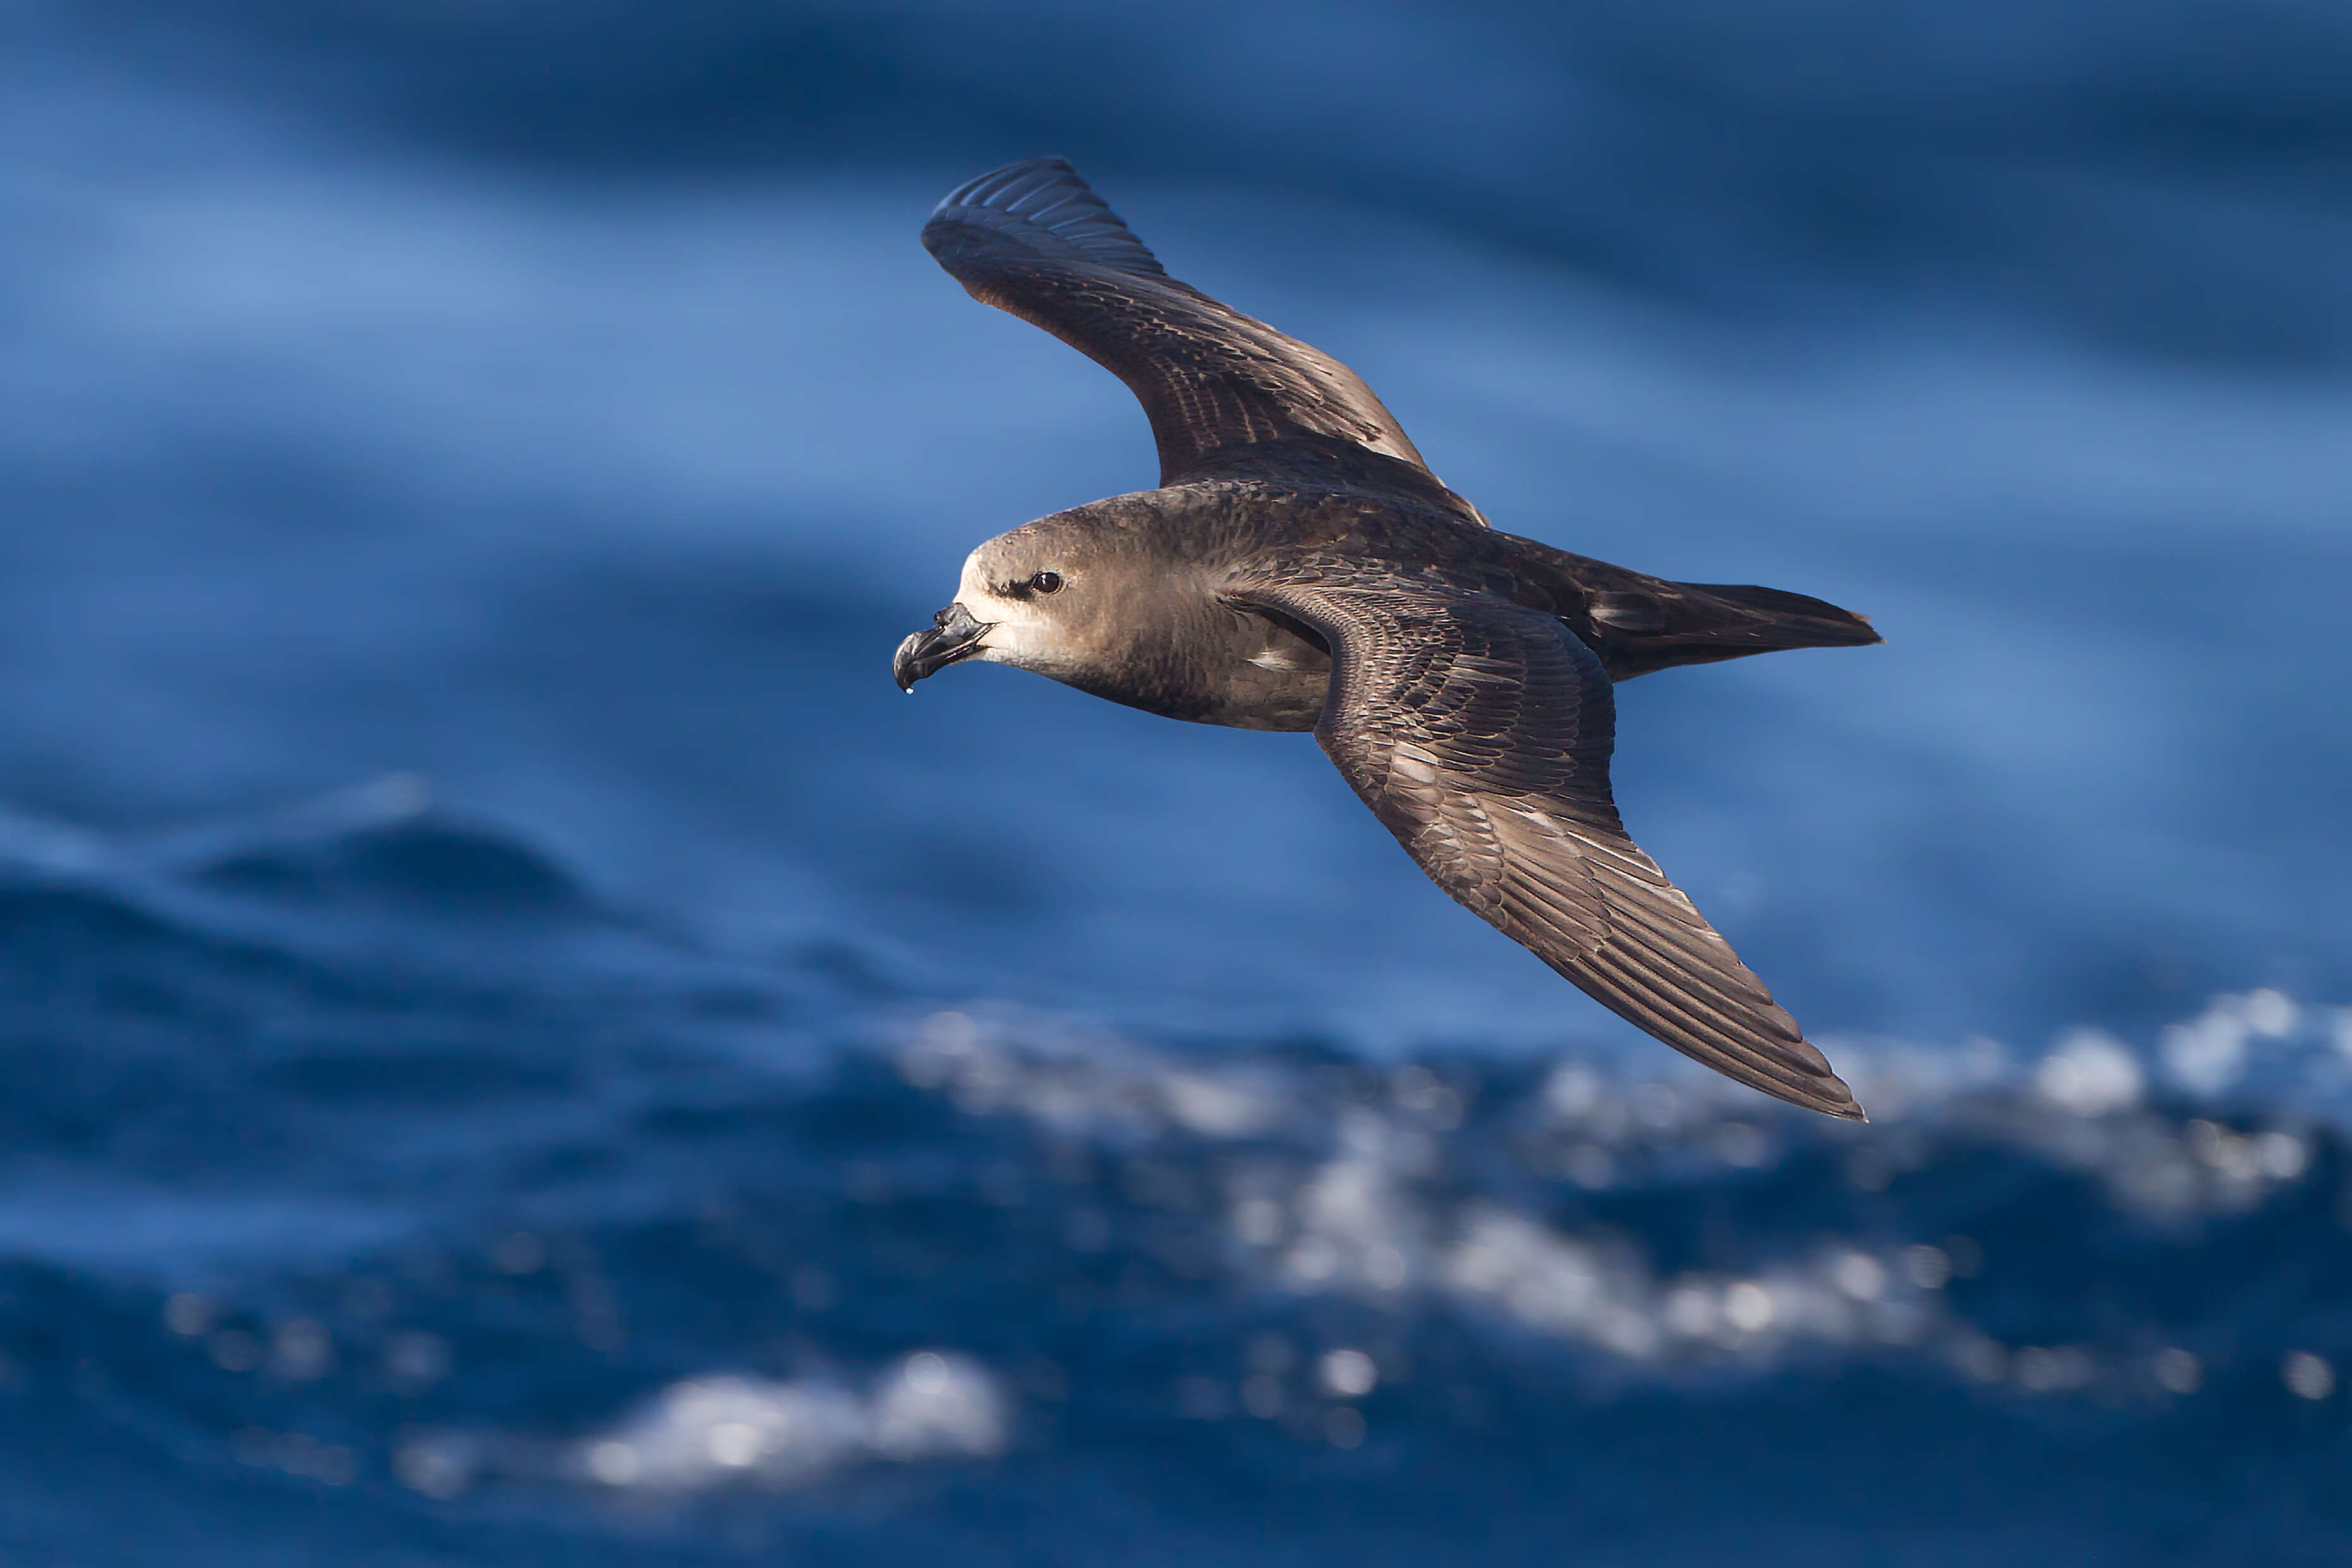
(520, 1047)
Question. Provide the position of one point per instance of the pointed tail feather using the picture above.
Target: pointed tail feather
(1704, 622)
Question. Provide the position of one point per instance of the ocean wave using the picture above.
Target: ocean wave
(608, 1241)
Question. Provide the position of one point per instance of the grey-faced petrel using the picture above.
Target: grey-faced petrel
(1301, 569)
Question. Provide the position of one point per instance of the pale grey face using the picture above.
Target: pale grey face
(1031, 598)
(1035, 599)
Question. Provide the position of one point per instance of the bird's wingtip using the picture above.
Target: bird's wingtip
(1039, 207)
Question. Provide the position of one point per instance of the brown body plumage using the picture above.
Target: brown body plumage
(1300, 568)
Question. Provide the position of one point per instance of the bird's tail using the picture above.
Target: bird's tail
(1637, 622)
(1703, 623)
(1785, 620)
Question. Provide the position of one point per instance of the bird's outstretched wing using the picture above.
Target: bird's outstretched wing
(1033, 240)
(1480, 733)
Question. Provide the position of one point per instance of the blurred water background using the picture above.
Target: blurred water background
(520, 1047)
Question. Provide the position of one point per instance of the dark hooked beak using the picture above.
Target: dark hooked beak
(953, 635)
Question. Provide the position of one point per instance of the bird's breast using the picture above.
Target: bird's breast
(1229, 668)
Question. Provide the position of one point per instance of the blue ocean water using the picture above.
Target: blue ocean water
(520, 1047)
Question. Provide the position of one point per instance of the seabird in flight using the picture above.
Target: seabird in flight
(1301, 569)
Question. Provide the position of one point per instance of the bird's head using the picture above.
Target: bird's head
(1042, 598)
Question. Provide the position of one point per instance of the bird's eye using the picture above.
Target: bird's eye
(1047, 582)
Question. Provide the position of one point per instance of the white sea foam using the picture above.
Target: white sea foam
(729, 1429)
(1361, 1196)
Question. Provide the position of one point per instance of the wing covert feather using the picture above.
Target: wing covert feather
(1480, 733)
